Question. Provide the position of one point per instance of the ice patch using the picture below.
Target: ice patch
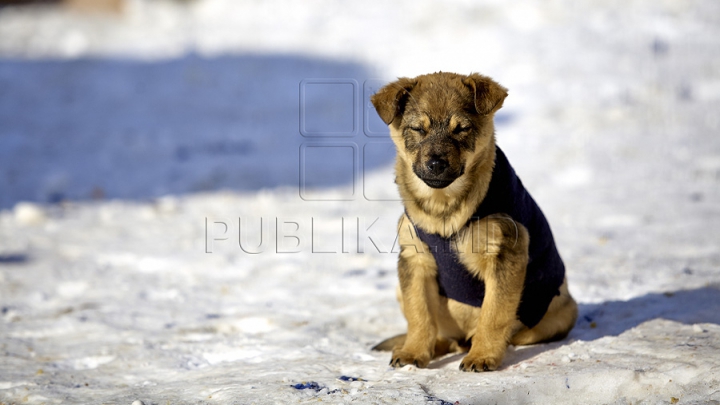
(252, 356)
(153, 265)
(251, 325)
(62, 329)
(74, 43)
(164, 295)
(117, 259)
(32, 399)
(147, 264)
(27, 213)
(363, 356)
(91, 363)
(5, 385)
(698, 329)
(72, 289)
(197, 337)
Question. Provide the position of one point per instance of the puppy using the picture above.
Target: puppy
(478, 265)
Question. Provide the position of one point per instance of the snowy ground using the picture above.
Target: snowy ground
(139, 152)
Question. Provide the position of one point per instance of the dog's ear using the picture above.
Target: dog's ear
(489, 95)
(390, 100)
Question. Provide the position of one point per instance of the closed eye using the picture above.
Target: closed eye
(419, 130)
(460, 129)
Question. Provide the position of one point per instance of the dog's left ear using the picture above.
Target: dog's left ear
(390, 100)
(489, 95)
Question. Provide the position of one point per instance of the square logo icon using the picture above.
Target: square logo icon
(379, 172)
(329, 108)
(328, 165)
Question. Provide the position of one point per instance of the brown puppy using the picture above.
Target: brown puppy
(478, 264)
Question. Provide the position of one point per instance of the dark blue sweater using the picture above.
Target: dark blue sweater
(545, 269)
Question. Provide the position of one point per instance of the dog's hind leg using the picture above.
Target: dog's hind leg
(555, 325)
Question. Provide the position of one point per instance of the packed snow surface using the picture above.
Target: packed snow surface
(197, 202)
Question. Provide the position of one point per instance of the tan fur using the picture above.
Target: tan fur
(428, 117)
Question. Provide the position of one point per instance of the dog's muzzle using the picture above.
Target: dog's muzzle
(436, 172)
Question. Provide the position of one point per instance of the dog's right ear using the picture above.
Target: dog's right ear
(390, 100)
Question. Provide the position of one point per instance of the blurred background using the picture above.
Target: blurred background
(135, 99)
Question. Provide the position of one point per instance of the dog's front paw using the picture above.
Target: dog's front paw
(479, 363)
(402, 358)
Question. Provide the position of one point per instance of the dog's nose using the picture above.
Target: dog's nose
(437, 165)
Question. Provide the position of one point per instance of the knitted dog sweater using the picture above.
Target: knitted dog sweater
(545, 270)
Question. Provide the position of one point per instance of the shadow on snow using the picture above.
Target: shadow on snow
(612, 318)
(130, 129)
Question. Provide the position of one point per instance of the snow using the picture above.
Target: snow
(142, 154)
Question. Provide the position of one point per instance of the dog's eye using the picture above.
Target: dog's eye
(419, 130)
(460, 129)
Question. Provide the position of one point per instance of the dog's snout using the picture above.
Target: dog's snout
(437, 165)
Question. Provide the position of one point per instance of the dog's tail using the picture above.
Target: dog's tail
(390, 343)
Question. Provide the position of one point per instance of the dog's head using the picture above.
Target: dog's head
(439, 121)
